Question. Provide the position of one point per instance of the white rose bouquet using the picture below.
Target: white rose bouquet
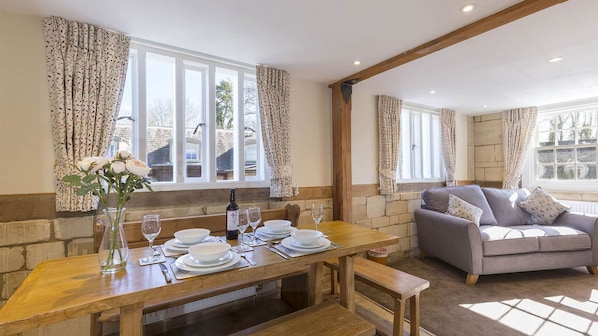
(101, 176)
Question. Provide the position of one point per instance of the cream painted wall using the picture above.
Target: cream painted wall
(25, 129)
(25, 132)
(311, 133)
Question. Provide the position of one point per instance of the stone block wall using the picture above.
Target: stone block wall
(488, 147)
(392, 214)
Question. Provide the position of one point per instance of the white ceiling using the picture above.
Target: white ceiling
(318, 40)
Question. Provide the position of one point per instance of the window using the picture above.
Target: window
(420, 153)
(192, 118)
(564, 150)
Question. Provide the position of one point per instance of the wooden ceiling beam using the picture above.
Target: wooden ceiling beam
(510, 14)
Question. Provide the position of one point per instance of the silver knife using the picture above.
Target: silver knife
(277, 252)
(165, 272)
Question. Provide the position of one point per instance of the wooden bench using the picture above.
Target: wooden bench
(399, 285)
(328, 318)
(217, 226)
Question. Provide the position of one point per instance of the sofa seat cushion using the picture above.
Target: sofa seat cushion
(437, 199)
(499, 240)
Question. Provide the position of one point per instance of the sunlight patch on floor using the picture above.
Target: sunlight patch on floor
(537, 319)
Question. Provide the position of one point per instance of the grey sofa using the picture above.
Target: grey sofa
(507, 239)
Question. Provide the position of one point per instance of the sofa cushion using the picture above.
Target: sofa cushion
(504, 205)
(437, 199)
(499, 240)
(562, 238)
(459, 208)
(543, 207)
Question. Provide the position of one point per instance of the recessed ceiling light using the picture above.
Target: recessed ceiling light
(594, 86)
(555, 59)
(484, 106)
(468, 7)
(432, 91)
(356, 62)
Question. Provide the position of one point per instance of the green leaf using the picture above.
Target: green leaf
(72, 179)
(88, 178)
(82, 191)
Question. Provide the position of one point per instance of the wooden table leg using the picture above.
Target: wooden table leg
(347, 282)
(96, 327)
(315, 277)
(130, 319)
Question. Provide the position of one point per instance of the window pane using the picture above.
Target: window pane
(546, 124)
(436, 147)
(122, 139)
(426, 146)
(546, 172)
(546, 156)
(546, 139)
(251, 126)
(586, 154)
(416, 148)
(226, 102)
(405, 157)
(586, 136)
(565, 121)
(194, 130)
(565, 137)
(587, 118)
(565, 172)
(160, 115)
(586, 172)
(564, 155)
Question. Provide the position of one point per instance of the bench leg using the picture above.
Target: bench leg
(414, 315)
(399, 318)
(96, 327)
(333, 281)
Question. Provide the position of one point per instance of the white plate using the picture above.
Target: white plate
(180, 264)
(190, 261)
(169, 245)
(178, 244)
(288, 243)
(267, 233)
(297, 244)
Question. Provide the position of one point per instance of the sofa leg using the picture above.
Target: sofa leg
(471, 279)
(593, 269)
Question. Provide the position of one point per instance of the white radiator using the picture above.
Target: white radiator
(589, 208)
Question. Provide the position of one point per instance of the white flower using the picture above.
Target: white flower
(118, 166)
(92, 164)
(137, 167)
(124, 154)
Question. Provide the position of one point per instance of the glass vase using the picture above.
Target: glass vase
(114, 250)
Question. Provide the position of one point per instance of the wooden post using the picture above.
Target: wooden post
(342, 196)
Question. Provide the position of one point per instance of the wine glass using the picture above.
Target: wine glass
(150, 228)
(317, 212)
(243, 225)
(255, 217)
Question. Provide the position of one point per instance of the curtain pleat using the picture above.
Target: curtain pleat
(518, 126)
(274, 104)
(449, 147)
(86, 75)
(389, 134)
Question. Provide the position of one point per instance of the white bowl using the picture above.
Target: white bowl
(191, 236)
(277, 225)
(209, 252)
(307, 237)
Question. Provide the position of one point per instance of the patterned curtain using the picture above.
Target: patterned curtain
(273, 95)
(449, 147)
(86, 75)
(389, 132)
(517, 127)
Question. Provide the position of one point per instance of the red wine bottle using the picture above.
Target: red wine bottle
(232, 217)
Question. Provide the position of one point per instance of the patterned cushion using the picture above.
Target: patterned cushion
(542, 206)
(459, 208)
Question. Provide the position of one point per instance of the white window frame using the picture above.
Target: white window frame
(529, 179)
(420, 155)
(207, 65)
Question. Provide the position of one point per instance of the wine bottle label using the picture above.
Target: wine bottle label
(232, 220)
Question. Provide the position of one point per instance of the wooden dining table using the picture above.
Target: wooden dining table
(62, 289)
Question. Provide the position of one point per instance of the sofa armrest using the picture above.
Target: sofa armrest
(449, 238)
(581, 222)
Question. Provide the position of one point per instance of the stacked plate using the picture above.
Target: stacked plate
(188, 264)
(292, 244)
(178, 247)
(265, 234)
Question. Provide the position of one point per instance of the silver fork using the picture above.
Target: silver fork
(251, 262)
